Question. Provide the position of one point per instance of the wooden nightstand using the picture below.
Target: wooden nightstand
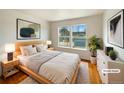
(51, 48)
(9, 68)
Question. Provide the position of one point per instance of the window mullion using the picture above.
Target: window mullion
(71, 38)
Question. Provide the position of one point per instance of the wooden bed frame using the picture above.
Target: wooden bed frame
(34, 75)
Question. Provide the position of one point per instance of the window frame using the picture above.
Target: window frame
(71, 38)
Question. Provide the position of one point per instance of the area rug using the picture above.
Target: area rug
(83, 76)
(28, 80)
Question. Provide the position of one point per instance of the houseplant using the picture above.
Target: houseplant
(94, 43)
(112, 55)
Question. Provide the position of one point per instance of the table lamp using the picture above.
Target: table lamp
(9, 49)
(49, 43)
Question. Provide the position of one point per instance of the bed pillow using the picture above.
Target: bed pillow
(28, 50)
(41, 47)
(32, 51)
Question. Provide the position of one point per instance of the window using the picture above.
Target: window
(72, 36)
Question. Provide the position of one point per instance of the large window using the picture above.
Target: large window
(72, 36)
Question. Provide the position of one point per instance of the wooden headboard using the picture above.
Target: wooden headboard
(26, 43)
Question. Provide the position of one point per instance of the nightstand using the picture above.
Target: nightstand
(9, 67)
(51, 48)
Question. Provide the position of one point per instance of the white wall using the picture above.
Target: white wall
(108, 14)
(8, 27)
(94, 27)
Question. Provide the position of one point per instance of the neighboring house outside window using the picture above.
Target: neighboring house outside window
(73, 36)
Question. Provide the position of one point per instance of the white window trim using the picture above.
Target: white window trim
(71, 47)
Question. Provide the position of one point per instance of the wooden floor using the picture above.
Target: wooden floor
(15, 79)
(94, 76)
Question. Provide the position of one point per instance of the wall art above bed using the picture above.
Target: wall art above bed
(27, 30)
(116, 29)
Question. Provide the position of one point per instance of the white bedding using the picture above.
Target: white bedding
(56, 66)
(35, 61)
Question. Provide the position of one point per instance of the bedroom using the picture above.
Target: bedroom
(79, 25)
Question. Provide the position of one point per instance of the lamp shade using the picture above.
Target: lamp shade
(49, 42)
(9, 48)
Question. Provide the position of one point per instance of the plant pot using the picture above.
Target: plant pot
(113, 57)
(93, 60)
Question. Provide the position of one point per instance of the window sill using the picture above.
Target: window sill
(73, 48)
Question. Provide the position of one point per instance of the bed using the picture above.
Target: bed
(49, 67)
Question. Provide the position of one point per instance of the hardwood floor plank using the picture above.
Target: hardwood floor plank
(93, 73)
(15, 79)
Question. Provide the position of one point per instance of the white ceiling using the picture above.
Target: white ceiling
(61, 14)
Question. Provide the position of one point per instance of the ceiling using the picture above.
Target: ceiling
(61, 14)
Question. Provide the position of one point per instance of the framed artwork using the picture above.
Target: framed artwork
(116, 29)
(27, 30)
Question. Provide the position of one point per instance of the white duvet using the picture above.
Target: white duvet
(56, 66)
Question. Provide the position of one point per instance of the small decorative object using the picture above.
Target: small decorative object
(107, 50)
(9, 49)
(27, 30)
(49, 43)
(112, 55)
(116, 29)
(94, 44)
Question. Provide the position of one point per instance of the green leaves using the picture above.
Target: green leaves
(112, 54)
(94, 44)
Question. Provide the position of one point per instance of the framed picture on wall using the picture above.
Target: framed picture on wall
(116, 29)
(27, 30)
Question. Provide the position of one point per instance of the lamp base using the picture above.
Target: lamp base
(49, 46)
(10, 56)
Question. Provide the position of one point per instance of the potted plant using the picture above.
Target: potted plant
(94, 44)
(112, 55)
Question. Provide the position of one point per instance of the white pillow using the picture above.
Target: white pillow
(24, 51)
(41, 48)
(32, 51)
(28, 50)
